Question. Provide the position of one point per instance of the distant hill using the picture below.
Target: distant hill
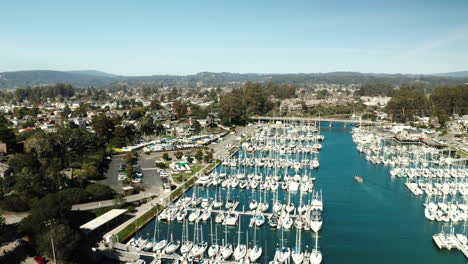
(11, 80)
(459, 74)
(94, 73)
(19, 79)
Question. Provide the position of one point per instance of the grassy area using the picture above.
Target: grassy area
(212, 166)
(116, 150)
(138, 223)
(179, 191)
(462, 154)
(181, 177)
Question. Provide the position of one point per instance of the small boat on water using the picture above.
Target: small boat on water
(358, 179)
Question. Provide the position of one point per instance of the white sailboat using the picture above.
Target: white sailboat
(226, 249)
(315, 256)
(161, 243)
(214, 248)
(297, 255)
(256, 252)
(241, 249)
(186, 244)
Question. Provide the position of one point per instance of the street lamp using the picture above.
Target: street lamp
(49, 223)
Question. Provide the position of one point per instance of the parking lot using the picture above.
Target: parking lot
(150, 181)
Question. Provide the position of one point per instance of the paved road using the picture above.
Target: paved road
(220, 150)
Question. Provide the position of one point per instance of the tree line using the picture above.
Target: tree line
(410, 101)
(237, 106)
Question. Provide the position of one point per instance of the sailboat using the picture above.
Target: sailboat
(284, 253)
(253, 203)
(315, 257)
(200, 246)
(173, 246)
(226, 249)
(241, 249)
(259, 219)
(297, 254)
(161, 244)
(217, 203)
(214, 248)
(256, 251)
(186, 244)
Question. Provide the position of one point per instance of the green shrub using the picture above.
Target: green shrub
(100, 192)
(14, 203)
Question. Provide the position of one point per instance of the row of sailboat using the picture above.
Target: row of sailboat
(428, 171)
(269, 168)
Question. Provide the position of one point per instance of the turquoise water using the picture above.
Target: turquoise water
(376, 221)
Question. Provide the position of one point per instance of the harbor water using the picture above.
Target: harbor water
(377, 221)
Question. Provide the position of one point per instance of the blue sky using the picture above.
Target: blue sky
(186, 37)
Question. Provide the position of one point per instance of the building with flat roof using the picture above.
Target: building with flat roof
(101, 222)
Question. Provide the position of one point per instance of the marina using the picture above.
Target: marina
(268, 203)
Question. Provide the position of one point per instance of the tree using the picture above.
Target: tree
(180, 109)
(160, 165)
(74, 195)
(443, 118)
(66, 111)
(3, 230)
(136, 112)
(155, 105)
(450, 99)
(119, 201)
(405, 104)
(196, 126)
(88, 171)
(103, 126)
(7, 136)
(100, 192)
(198, 112)
(129, 172)
(179, 154)
(129, 158)
(322, 94)
(199, 155)
(166, 157)
(231, 108)
(14, 203)
(51, 206)
(147, 125)
(66, 240)
(208, 157)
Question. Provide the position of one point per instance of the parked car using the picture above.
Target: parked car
(40, 260)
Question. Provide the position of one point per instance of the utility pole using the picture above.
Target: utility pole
(49, 223)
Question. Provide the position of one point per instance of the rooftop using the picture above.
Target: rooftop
(99, 221)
